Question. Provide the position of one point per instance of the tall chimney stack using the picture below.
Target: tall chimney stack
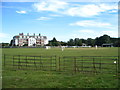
(27, 34)
(20, 33)
(34, 34)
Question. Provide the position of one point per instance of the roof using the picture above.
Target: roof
(107, 44)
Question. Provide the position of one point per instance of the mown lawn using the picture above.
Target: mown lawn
(55, 79)
(67, 52)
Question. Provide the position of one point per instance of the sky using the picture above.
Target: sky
(60, 19)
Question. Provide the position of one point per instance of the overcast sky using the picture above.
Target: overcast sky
(60, 19)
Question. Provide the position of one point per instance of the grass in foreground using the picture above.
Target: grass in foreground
(43, 79)
(50, 79)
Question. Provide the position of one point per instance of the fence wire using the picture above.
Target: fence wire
(70, 64)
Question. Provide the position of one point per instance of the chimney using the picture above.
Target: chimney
(39, 34)
(20, 33)
(34, 34)
(27, 34)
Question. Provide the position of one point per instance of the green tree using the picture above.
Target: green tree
(77, 42)
(80, 42)
(71, 42)
(83, 40)
(103, 39)
(54, 42)
(115, 41)
(63, 43)
(90, 42)
(11, 43)
(5, 44)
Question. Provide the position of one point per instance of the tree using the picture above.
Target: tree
(90, 42)
(103, 39)
(77, 42)
(80, 42)
(63, 43)
(115, 41)
(5, 44)
(11, 43)
(71, 42)
(54, 42)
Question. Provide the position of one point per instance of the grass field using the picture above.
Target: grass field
(53, 79)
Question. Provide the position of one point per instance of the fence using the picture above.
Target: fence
(72, 64)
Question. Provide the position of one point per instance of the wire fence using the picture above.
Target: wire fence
(70, 64)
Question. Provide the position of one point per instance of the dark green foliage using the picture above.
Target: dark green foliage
(71, 42)
(105, 39)
(54, 42)
(11, 42)
(90, 42)
(115, 41)
(78, 42)
(63, 43)
(83, 40)
(102, 40)
(5, 44)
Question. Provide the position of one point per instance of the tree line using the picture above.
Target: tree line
(105, 39)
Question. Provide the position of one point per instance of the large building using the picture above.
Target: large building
(29, 40)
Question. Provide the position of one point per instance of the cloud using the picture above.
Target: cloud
(87, 31)
(113, 11)
(84, 11)
(81, 10)
(21, 12)
(43, 18)
(90, 10)
(110, 33)
(55, 15)
(90, 23)
(105, 7)
(50, 5)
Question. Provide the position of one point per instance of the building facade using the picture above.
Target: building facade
(29, 40)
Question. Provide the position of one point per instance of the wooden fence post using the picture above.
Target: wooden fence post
(26, 61)
(40, 63)
(56, 62)
(19, 63)
(35, 64)
(118, 71)
(59, 63)
(94, 65)
(4, 59)
(117, 66)
(64, 63)
(75, 64)
(82, 65)
(51, 64)
(13, 61)
(100, 68)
